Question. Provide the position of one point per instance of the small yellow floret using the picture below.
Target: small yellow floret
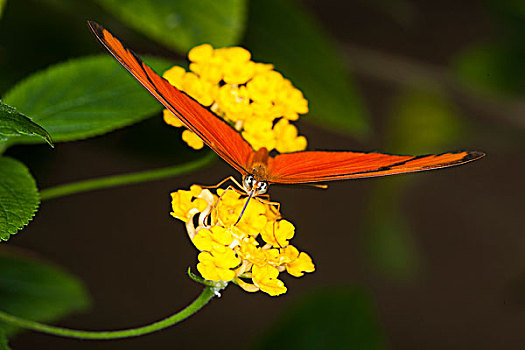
(175, 76)
(265, 278)
(218, 267)
(229, 210)
(234, 102)
(210, 72)
(264, 87)
(254, 218)
(171, 119)
(213, 239)
(234, 54)
(249, 251)
(300, 264)
(286, 137)
(192, 139)
(292, 99)
(238, 72)
(184, 205)
(278, 233)
(259, 133)
(201, 53)
(201, 90)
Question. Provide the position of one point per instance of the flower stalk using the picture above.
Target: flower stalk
(207, 294)
(125, 179)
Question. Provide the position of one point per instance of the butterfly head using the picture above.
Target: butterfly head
(249, 182)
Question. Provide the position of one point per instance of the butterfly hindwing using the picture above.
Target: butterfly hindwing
(319, 166)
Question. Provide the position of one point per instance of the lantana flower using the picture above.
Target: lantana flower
(252, 97)
(252, 252)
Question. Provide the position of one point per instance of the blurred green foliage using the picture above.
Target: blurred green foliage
(3, 341)
(284, 34)
(391, 247)
(420, 122)
(334, 318)
(37, 290)
(495, 66)
(492, 68)
(183, 24)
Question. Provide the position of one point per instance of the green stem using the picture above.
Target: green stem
(197, 304)
(126, 179)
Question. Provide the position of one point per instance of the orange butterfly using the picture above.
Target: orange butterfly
(258, 168)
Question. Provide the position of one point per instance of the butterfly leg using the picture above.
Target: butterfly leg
(276, 208)
(275, 205)
(229, 178)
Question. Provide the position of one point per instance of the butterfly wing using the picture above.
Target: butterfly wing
(319, 166)
(215, 133)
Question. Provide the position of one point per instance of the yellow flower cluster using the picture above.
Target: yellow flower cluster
(256, 100)
(250, 253)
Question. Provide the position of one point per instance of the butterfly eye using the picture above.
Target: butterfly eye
(263, 187)
(248, 183)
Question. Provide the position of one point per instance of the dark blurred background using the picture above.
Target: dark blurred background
(437, 259)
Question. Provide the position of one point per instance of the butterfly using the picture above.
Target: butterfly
(258, 168)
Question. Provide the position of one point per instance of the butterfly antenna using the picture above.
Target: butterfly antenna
(245, 205)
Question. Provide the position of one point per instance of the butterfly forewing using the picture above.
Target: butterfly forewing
(218, 135)
(319, 166)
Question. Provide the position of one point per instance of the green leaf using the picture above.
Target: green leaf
(13, 124)
(182, 24)
(338, 318)
(37, 290)
(83, 97)
(281, 32)
(19, 198)
(3, 341)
